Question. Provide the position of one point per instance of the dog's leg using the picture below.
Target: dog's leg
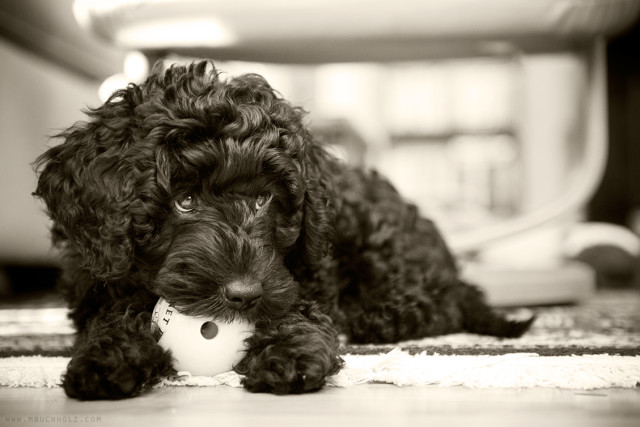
(406, 314)
(116, 355)
(479, 318)
(397, 316)
(294, 354)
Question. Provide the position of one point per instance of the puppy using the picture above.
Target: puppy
(214, 195)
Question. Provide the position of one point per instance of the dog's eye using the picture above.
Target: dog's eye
(262, 199)
(186, 205)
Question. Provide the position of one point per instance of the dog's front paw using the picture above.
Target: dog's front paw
(277, 370)
(294, 358)
(105, 370)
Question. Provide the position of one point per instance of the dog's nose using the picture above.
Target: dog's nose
(242, 294)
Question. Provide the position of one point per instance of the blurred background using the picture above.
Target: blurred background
(512, 123)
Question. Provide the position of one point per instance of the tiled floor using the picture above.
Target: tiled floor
(364, 405)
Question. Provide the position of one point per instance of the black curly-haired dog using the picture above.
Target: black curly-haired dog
(214, 195)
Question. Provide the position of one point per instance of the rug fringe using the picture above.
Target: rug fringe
(516, 370)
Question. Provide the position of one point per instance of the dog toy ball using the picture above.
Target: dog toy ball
(200, 346)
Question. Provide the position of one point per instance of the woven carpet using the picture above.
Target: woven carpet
(595, 344)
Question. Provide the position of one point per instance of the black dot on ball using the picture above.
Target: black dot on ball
(209, 330)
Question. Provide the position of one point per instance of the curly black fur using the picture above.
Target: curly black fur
(188, 186)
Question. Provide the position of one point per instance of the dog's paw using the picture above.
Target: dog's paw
(88, 379)
(295, 357)
(278, 370)
(114, 371)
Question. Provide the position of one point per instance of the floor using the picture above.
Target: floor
(369, 405)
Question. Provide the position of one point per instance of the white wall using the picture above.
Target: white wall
(37, 99)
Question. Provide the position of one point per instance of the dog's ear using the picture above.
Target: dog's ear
(88, 185)
(319, 208)
(306, 169)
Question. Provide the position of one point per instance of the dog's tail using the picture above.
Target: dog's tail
(479, 318)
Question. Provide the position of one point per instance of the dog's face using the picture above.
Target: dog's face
(230, 223)
(209, 190)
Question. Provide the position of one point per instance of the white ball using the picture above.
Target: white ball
(200, 346)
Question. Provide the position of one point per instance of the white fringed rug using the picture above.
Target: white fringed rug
(592, 345)
(517, 370)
